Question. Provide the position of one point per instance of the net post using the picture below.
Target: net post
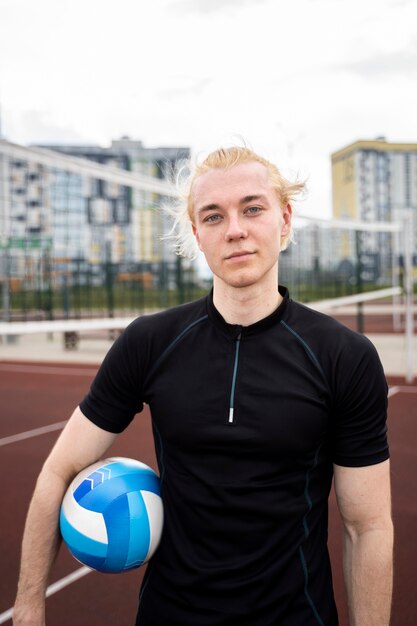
(396, 280)
(408, 234)
(359, 284)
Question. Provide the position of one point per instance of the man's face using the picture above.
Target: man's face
(238, 223)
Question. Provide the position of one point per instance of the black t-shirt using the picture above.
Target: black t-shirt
(248, 422)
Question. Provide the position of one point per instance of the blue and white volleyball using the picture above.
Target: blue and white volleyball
(112, 515)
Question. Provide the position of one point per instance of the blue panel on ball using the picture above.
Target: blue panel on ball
(82, 489)
(99, 498)
(98, 477)
(77, 541)
(117, 520)
(91, 561)
(91, 481)
(140, 534)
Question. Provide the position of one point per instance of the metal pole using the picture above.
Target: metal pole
(5, 284)
(109, 281)
(408, 293)
(359, 283)
(395, 269)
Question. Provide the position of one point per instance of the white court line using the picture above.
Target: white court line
(27, 434)
(392, 391)
(82, 571)
(47, 369)
(41, 369)
(60, 584)
(67, 580)
(400, 389)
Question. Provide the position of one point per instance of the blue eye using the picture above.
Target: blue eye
(212, 218)
(253, 210)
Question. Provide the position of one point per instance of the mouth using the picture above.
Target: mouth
(239, 255)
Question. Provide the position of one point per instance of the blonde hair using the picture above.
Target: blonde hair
(182, 211)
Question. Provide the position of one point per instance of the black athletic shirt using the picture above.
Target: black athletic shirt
(248, 422)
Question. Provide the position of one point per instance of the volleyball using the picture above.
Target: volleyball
(111, 516)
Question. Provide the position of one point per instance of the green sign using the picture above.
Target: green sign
(26, 243)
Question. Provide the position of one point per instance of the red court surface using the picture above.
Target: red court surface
(33, 396)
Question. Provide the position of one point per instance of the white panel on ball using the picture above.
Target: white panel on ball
(90, 523)
(155, 515)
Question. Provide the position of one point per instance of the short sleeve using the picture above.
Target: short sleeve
(359, 436)
(115, 395)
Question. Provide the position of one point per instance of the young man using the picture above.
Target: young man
(257, 404)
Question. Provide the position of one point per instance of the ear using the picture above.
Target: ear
(287, 217)
(195, 233)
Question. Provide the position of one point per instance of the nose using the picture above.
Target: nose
(235, 228)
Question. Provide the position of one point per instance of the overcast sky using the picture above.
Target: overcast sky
(297, 79)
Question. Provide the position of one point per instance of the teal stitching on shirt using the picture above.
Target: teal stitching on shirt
(161, 448)
(306, 534)
(309, 505)
(307, 493)
(306, 592)
(306, 347)
(174, 343)
(160, 454)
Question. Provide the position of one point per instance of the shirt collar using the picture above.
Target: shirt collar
(233, 329)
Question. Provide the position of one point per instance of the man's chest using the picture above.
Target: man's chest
(249, 393)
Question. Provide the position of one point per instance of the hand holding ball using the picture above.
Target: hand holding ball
(112, 515)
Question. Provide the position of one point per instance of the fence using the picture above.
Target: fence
(80, 239)
(83, 240)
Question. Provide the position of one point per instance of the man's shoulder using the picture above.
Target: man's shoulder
(320, 327)
(342, 353)
(179, 316)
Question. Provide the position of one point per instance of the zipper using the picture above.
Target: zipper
(232, 393)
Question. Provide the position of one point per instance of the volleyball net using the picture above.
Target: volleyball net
(363, 273)
(84, 241)
(80, 239)
(340, 262)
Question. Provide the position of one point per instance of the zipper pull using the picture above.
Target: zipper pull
(232, 393)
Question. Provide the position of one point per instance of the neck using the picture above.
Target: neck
(245, 305)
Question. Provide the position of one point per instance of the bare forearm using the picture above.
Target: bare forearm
(368, 576)
(80, 444)
(39, 548)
